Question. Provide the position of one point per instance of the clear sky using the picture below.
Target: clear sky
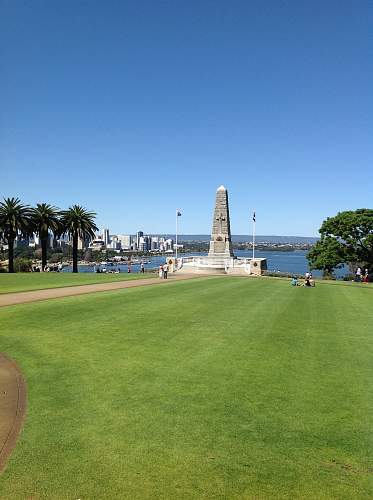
(134, 109)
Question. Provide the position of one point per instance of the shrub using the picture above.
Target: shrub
(348, 277)
(326, 275)
(55, 258)
(22, 265)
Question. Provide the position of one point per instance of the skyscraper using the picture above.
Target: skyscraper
(139, 235)
(125, 240)
(154, 243)
(106, 236)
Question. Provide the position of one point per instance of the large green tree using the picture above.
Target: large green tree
(327, 254)
(15, 220)
(346, 238)
(45, 220)
(78, 222)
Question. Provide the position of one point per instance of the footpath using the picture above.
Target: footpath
(56, 293)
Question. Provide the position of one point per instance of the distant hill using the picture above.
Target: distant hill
(240, 238)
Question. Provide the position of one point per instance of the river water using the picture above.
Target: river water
(287, 262)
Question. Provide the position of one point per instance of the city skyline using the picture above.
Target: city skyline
(134, 110)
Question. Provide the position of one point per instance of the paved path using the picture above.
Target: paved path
(55, 293)
(12, 406)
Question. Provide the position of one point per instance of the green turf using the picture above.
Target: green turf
(218, 388)
(22, 282)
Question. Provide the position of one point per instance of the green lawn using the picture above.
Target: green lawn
(220, 388)
(22, 282)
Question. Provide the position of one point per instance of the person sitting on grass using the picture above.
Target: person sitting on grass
(307, 281)
(294, 281)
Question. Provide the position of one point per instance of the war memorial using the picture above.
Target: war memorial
(220, 258)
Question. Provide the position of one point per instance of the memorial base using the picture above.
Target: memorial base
(222, 265)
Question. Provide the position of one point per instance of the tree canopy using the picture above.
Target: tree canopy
(345, 238)
(78, 222)
(20, 221)
(15, 220)
(45, 218)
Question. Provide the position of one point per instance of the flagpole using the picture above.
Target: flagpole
(254, 221)
(177, 216)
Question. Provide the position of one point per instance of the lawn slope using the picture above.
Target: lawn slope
(216, 388)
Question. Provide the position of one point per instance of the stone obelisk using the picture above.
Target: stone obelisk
(221, 242)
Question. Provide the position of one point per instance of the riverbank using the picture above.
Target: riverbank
(293, 262)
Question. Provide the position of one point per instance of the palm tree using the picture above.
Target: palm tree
(45, 218)
(14, 221)
(78, 222)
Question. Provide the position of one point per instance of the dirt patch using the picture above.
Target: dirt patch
(12, 406)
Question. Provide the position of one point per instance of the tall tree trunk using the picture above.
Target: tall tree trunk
(11, 254)
(75, 254)
(44, 244)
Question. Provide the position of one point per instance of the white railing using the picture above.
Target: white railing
(229, 264)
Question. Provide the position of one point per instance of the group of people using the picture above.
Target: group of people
(308, 280)
(361, 277)
(107, 271)
(163, 271)
(56, 268)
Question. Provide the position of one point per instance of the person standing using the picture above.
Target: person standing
(165, 271)
(161, 271)
(358, 274)
(366, 276)
(142, 267)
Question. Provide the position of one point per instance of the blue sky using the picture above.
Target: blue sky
(134, 109)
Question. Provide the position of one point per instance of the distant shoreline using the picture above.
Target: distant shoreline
(242, 238)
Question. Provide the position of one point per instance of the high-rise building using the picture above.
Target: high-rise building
(154, 243)
(125, 241)
(115, 244)
(139, 235)
(161, 244)
(106, 236)
(144, 244)
(168, 244)
(81, 245)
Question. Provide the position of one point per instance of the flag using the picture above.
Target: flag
(178, 213)
(254, 217)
